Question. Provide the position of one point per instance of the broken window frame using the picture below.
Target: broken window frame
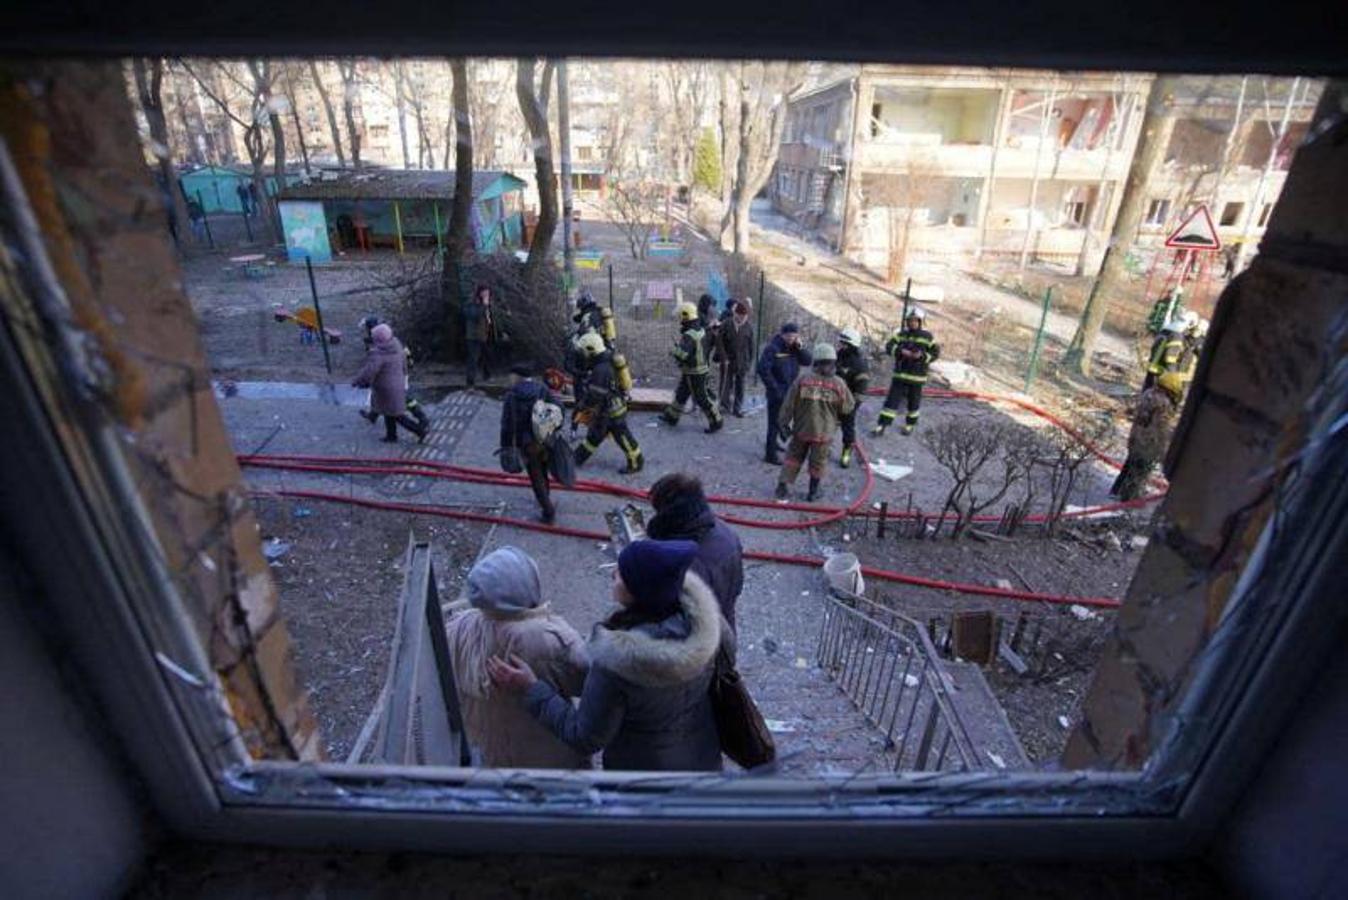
(90, 537)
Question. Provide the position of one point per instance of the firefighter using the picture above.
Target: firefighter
(603, 407)
(691, 353)
(778, 366)
(914, 350)
(813, 406)
(367, 326)
(1153, 421)
(855, 372)
(1168, 348)
(1194, 335)
(588, 319)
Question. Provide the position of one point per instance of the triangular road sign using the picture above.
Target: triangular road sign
(1195, 233)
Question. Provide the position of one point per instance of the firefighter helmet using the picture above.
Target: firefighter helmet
(916, 312)
(1171, 383)
(1190, 319)
(1174, 326)
(687, 312)
(825, 353)
(590, 345)
(1201, 329)
(849, 336)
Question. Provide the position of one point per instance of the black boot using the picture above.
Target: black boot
(715, 426)
(420, 414)
(413, 426)
(781, 491)
(369, 415)
(773, 457)
(548, 515)
(813, 494)
(390, 430)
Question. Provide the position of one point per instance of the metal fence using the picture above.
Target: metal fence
(888, 667)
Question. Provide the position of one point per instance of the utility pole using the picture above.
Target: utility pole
(564, 135)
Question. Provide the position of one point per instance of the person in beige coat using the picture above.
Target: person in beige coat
(508, 616)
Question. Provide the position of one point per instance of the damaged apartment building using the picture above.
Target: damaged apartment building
(902, 162)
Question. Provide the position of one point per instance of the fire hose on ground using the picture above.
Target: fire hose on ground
(828, 515)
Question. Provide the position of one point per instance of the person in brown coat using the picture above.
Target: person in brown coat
(810, 414)
(385, 374)
(509, 616)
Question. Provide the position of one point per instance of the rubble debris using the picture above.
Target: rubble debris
(275, 548)
(1138, 542)
(1080, 612)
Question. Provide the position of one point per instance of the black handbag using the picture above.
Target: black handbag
(561, 459)
(744, 735)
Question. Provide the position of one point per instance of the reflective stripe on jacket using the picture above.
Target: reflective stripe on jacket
(912, 369)
(691, 351)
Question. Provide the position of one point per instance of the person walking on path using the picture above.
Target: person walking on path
(690, 351)
(367, 327)
(810, 414)
(602, 405)
(735, 354)
(856, 373)
(245, 199)
(479, 333)
(683, 514)
(778, 366)
(508, 615)
(1153, 420)
(517, 432)
(914, 350)
(646, 702)
(385, 374)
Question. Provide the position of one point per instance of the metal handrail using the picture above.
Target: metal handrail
(873, 662)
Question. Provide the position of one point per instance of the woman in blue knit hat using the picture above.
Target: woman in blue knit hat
(645, 702)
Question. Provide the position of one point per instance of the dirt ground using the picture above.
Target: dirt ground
(339, 581)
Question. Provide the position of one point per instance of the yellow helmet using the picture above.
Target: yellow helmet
(1171, 383)
(687, 312)
(590, 344)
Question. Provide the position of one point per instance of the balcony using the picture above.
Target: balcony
(975, 161)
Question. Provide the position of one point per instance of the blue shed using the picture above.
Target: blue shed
(217, 187)
(397, 207)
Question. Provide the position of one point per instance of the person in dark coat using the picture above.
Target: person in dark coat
(646, 701)
(245, 198)
(778, 366)
(682, 514)
(856, 373)
(517, 430)
(385, 374)
(479, 333)
(735, 353)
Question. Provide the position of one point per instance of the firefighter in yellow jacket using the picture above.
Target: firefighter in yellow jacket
(813, 407)
(691, 351)
(603, 405)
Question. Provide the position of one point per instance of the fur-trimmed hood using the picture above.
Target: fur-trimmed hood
(664, 653)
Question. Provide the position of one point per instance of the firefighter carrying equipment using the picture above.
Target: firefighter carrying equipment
(609, 326)
(1172, 383)
(590, 345)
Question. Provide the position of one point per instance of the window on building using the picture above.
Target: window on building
(584, 154)
(1158, 211)
(1263, 214)
(378, 132)
(1074, 212)
(1231, 213)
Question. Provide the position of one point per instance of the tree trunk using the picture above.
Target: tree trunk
(535, 117)
(740, 196)
(564, 133)
(299, 126)
(329, 112)
(460, 239)
(347, 69)
(1157, 126)
(401, 107)
(149, 76)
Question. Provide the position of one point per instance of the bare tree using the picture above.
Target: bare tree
(254, 137)
(295, 115)
(901, 198)
(763, 92)
(1157, 127)
(964, 446)
(326, 98)
(149, 76)
(264, 74)
(349, 69)
(636, 208)
(1068, 451)
(535, 116)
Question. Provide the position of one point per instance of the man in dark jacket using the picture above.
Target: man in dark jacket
(914, 350)
(856, 372)
(517, 431)
(479, 332)
(735, 353)
(682, 514)
(778, 366)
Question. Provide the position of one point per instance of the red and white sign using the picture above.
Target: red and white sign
(1195, 233)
